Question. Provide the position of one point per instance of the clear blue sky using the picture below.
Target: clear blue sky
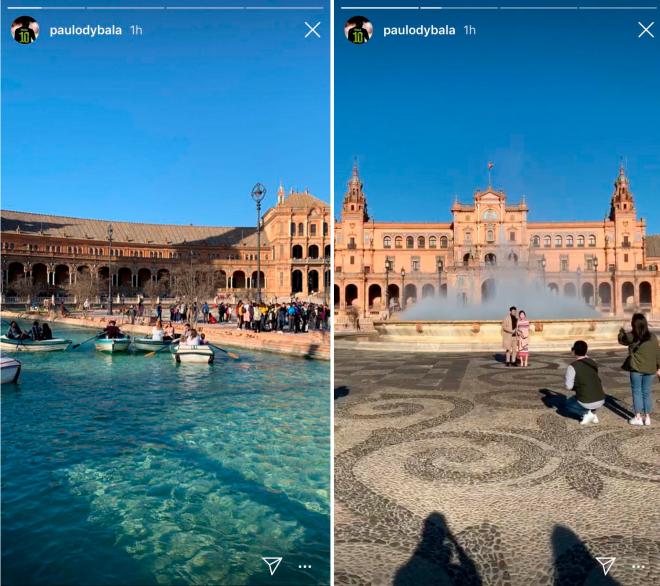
(552, 98)
(174, 126)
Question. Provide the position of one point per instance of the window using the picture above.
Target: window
(592, 240)
(626, 242)
(387, 242)
(536, 241)
(580, 241)
(398, 242)
(569, 241)
(546, 241)
(444, 242)
(421, 242)
(512, 236)
(293, 228)
(410, 242)
(415, 263)
(590, 263)
(468, 237)
(351, 243)
(625, 258)
(301, 229)
(352, 260)
(490, 215)
(490, 236)
(563, 264)
(559, 241)
(312, 229)
(325, 228)
(432, 241)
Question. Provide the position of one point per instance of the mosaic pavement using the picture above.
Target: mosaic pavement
(453, 469)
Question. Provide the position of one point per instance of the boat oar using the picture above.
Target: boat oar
(227, 352)
(154, 352)
(88, 340)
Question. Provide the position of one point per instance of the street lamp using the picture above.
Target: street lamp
(403, 288)
(258, 194)
(543, 264)
(441, 266)
(596, 282)
(388, 268)
(110, 269)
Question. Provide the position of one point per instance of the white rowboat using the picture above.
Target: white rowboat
(112, 345)
(198, 354)
(10, 345)
(10, 368)
(149, 345)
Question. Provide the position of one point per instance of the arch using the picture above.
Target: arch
(645, 293)
(393, 293)
(375, 294)
(327, 279)
(83, 270)
(337, 295)
(163, 275)
(301, 229)
(351, 294)
(313, 251)
(487, 290)
(433, 241)
(443, 290)
(103, 273)
(220, 278)
(387, 242)
(513, 258)
(398, 242)
(297, 251)
(570, 290)
(124, 276)
(262, 280)
(592, 240)
(547, 241)
(536, 241)
(327, 251)
(490, 259)
(421, 242)
(313, 281)
(587, 292)
(428, 291)
(143, 277)
(490, 235)
(580, 240)
(628, 293)
(570, 241)
(410, 242)
(410, 293)
(15, 271)
(61, 275)
(444, 242)
(238, 280)
(466, 259)
(553, 288)
(39, 273)
(296, 281)
(605, 293)
(559, 241)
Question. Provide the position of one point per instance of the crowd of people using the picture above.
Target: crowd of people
(295, 317)
(36, 333)
(582, 377)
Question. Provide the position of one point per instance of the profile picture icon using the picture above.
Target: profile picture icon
(358, 30)
(25, 30)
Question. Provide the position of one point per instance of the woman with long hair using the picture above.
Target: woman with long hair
(522, 338)
(643, 363)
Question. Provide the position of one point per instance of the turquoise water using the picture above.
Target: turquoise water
(130, 470)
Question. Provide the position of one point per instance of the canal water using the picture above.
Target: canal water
(131, 470)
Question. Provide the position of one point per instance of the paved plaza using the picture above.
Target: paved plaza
(454, 469)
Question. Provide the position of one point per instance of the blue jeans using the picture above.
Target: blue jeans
(574, 406)
(641, 385)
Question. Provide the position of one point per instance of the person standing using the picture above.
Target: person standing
(509, 325)
(205, 312)
(582, 377)
(522, 338)
(643, 364)
(159, 312)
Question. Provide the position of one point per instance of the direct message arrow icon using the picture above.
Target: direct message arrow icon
(607, 564)
(273, 564)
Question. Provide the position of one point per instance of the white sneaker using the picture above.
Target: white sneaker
(595, 419)
(636, 420)
(647, 420)
(587, 418)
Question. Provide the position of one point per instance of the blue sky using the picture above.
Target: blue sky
(554, 99)
(174, 126)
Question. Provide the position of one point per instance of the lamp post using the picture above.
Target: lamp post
(543, 264)
(596, 283)
(258, 194)
(403, 288)
(441, 266)
(110, 269)
(388, 268)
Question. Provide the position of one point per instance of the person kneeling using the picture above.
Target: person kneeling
(582, 377)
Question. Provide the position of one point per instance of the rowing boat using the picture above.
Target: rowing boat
(149, 345)
(27, 345)
(10, 368)
(198, 354)
(112, 345)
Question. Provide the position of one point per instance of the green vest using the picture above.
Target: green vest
(588, 387)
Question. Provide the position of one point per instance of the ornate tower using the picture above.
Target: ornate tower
(355, 203)
(622, 198)
(628, 232)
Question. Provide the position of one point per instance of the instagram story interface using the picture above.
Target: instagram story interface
(497, 172)
(165, 294)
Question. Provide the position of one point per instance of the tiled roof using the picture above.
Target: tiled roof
(653, 246)
(303, 200)
(127, 232)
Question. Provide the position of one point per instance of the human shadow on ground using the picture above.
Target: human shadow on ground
(439, 560)
(341, 392)
(498, 357)
(614, 405)
(558, 401)
(573, 563)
